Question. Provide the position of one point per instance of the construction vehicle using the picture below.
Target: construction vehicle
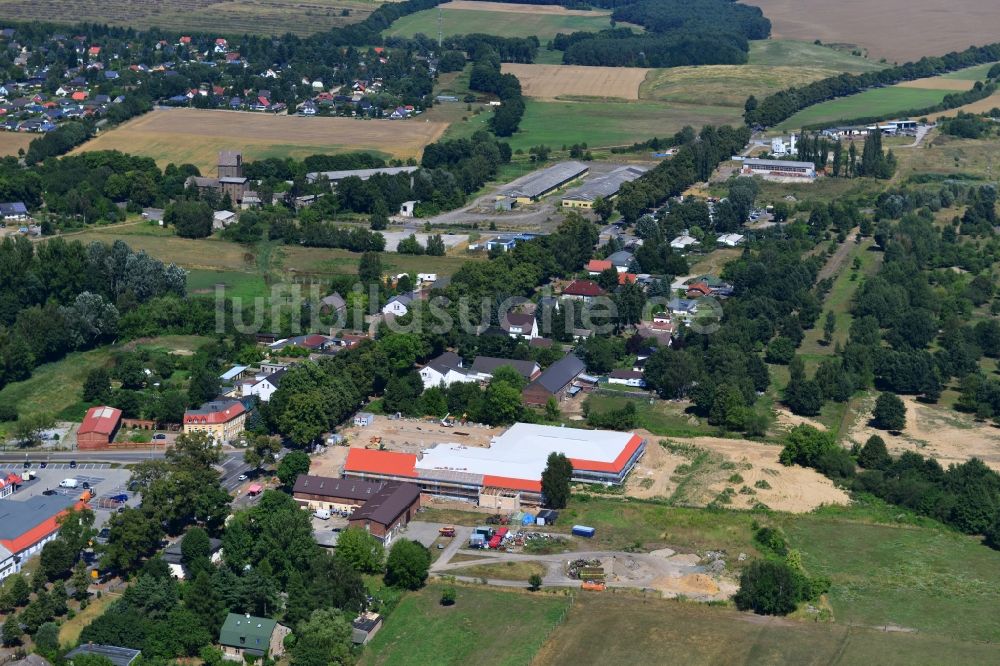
(374, 443)
(446, 422)
(447, 531)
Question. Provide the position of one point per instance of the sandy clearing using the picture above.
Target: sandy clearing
(553, 81)
(11, 142)
(514, 8)
(414, 435)
(945, 435)
(938, 83)
(899, 30)
(786, 420)
(793, 489)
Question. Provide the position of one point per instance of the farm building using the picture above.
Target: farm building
(779, 169)
(334, 177)
(99, 427)
(27, 525)
(537, 185)
(230, 164)
(511, 467)
(601, 187)
(382, 508)
(558, 381)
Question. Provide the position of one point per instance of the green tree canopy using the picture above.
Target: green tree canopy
(407, 565)
(556, 479)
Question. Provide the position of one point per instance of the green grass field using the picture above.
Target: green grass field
(602, 124)
(877, 102)
(977, 73)
(485, 627)
(545, 26)
(619, 629)
(660, 418)
(928, 579)
(792, 53)
(56, 388)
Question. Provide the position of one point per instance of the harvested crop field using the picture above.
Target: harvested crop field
(694, 471)
(898, 30)
(11, 142)
(500, 19)
(270, 17)
(937, 83)
(196, 136)
(727, 85)
(554, 81)
(934, 431)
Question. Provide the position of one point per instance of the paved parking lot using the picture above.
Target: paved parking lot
(36, 465)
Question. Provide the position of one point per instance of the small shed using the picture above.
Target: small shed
(406, 209)
(364, 419)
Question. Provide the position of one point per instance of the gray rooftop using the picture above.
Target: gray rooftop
(542, 181)
(487, 365)
(325, 486)
(119, 656)
(560, 373)
(19, 516)
(363, 174)
(779, 163)
(605, 186)
(388, 503)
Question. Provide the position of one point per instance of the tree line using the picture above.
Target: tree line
(782, 105)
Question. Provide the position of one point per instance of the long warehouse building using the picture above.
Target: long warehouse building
(363, 174)
(508, 473)
(536, 185)
(601, 187)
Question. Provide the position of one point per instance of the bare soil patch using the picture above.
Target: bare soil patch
(899, 30)
(415, 435)
(701, 478)
(982, 106)
(196, 136)
(554, 81)
(786, 420)
(515, 8)
(936, 432)
(329, 463)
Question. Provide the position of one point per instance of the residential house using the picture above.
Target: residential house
(683, 242)
(445, 370)
(556, 382)
(398, 305)
(696, 290)
(263, 386)
(332, 304)
(222, 419)
(518, 325)
(621, 260)
(598, 266)
(174, 558)
(582, 290)
(15, 211)
(683, 309)
(248, 636)
(627, 377)
(484, 367)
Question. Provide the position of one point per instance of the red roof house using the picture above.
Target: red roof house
(595, 266)
(582, 289)
(94, 50)
(627, 278)
(79, 95)
(99, 427)
(698, 289)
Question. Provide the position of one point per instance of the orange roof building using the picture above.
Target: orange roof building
(99, 427)
(513, 463)
(595, 266)
(222, 419)
(26, 526)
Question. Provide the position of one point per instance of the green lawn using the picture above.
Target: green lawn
(787, 52)
(928, 579)
(877, 102)
(499, 23)
(619, 629)
(485, 626)
(660, 418)
(601, 124)
(238, 285)
(977, 73)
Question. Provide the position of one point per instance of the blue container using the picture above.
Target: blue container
(528, 519)
(583, 531)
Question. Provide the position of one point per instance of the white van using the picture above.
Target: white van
(322, 514)
(69, 483)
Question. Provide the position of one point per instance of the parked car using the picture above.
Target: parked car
(159, 435)
(72, 464)
(243, 477)
(44, 464)
(27, 464)
(49, 492)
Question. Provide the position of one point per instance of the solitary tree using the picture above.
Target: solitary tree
(889, 412)
(407, 565)
(534, 582)
(829, 326)
(874, 455)
(555, 480)
(768, 588)
(448, 596)
(359, 549)
(293, 464)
